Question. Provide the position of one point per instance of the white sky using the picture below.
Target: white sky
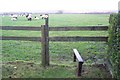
(33, 5)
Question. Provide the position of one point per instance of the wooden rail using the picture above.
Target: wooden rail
(68, 28)
(44, 39)
(56, 39)
(20, 38)
(78, 38)
(80, 61)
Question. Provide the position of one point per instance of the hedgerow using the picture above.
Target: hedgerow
(114, 44)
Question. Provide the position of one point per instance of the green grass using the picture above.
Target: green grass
(78, 19)
(31, 51)
(60, 20)
(32, 70)
(22, 21)
(61, 57)
(61, 54)
(53, 33)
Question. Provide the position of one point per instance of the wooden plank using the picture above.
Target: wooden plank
(79, 58)
(78, 38)
(77, 28)
(59, 39)
(21, 28)
(68, 28)
(20, 38)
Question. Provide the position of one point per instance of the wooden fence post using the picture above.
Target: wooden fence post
(79, 68)
(45, 43)
(74, 58)
(46, 19)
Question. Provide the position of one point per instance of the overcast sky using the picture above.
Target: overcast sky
(74, 5)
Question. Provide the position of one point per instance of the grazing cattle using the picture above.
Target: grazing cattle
(29, 17)
(36, 18)
(44, 16)
(14, 17)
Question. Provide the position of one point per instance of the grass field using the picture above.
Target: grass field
(27, 53)
(60, 20)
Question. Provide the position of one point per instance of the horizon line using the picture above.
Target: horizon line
(62, 11)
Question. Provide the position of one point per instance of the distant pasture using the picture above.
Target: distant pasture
(59, 20)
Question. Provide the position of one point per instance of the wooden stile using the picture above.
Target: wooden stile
(80, 61)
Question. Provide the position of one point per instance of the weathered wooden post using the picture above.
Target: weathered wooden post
(79, 68)
(74, 57)
(45, 43)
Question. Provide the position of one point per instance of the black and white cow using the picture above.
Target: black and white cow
(14, 17)
(29, 17)
(44, 16)
(36, 17)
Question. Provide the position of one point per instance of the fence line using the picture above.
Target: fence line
(77, 38)
(44, 39)
(59, 39)
(20, 38)
(66, 28)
